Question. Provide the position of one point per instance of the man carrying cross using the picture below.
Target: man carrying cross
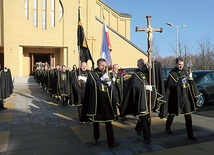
(149, 30)
(138, 91)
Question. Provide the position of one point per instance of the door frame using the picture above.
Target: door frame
(32, 60)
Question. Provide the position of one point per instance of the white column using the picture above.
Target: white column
(65, 56)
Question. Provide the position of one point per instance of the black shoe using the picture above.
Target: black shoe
(113, 144)
(168, 130)
(138, 128)
(148, 141)
(95, 141)
(123, 119)
(3, 108)
(138, 131)
(192, 137)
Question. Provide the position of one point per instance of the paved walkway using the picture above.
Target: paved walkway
(36, 124)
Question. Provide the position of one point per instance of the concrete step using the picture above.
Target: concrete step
(23, 79)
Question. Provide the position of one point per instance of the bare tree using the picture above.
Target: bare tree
(205, 57)
(173, 49)
(185, 51)
(168, 61)
(203, 60)
(155, 50)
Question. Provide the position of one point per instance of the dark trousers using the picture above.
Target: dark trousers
(188, 122)
(143, 124)
(1, 104)
(79, 110)
(109, 131)
(64, 100)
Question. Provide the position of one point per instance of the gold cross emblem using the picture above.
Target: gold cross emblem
(63, 77)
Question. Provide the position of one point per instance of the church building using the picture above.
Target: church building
(46, 31)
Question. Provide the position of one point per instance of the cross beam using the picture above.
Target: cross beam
(149, 30)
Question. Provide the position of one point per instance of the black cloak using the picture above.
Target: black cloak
(135, 101)
(98, 105)
(63, 83)
(135, 95)
(118, 87)
(77, 87)
(181, 97)
(6, 84)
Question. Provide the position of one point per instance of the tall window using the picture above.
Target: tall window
(52, 13)
(44, 14)
(27, 9)
(35, 13)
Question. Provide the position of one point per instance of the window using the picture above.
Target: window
(207, 79)
(35, 13)
(43, 11)
(44, 14)
(60, 11)
(52, 13)
(27, 9)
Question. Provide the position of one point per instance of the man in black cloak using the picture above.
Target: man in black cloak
(2, 79)
(6, 86)
(118, 80)
(78, 85)
(135, 99)
(63, 85)
(182, 97)
(136, 93)
(50, 80)
(99, 105)
(55, 77)
(44, 77)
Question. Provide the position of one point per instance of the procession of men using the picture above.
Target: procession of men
(103, 95)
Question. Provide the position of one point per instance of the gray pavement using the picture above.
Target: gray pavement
(37, 124)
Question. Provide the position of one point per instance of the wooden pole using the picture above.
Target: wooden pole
(78, 37)
(149, 30)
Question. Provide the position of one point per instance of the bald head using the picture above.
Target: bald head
(140, 63)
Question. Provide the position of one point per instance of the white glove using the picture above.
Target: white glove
(80, 77)
(109, 83)
(105, 76)
(149, 87)
(113, 79)
(84, 78)
(184, 80)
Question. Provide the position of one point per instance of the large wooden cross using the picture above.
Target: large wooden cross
(149, 30)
